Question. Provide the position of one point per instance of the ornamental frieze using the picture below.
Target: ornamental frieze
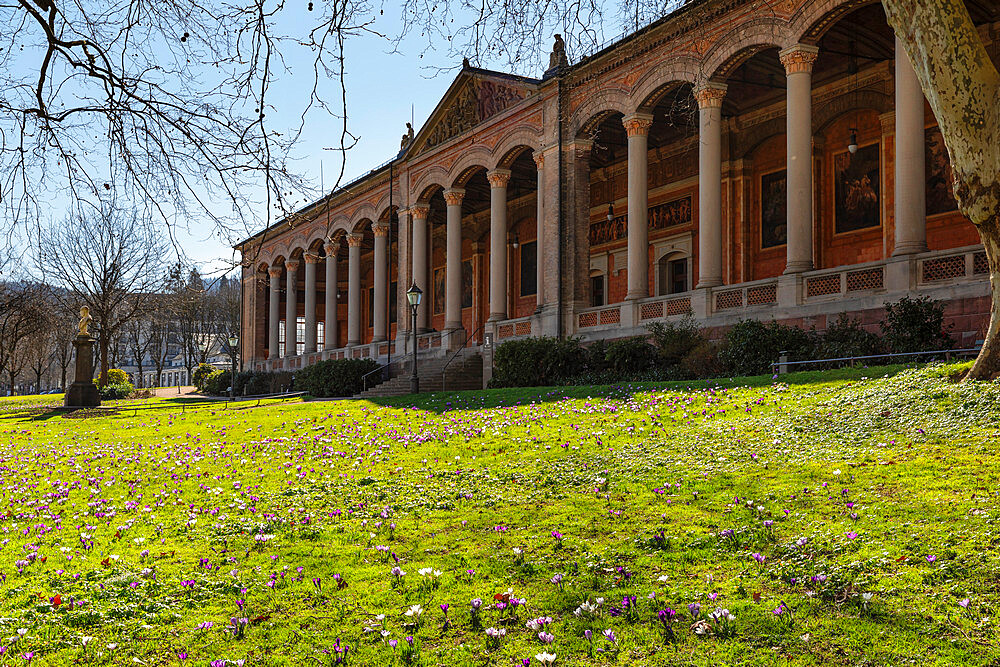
(662, 216)
(477, 101)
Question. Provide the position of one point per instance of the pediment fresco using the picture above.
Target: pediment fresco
(477, 100)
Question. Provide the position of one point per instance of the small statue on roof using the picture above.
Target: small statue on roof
(558, 56)
(407, 138)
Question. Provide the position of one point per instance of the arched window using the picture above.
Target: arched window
(672, 269)
(597, 288)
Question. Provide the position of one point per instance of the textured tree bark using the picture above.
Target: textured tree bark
(962, 87)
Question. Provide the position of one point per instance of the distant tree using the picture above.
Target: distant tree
(21, 313)
(110, 262)
(195, 319)
(138, 339)
(64, 331)
(39, 348)
(165, 104)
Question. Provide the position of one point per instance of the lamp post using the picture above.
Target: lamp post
(413, 297)
(233, 340)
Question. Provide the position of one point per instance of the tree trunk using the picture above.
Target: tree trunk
(987, 364)
(962, 86)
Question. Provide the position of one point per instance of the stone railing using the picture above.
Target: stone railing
(520, 327)
(745, 295)
(601, 316)
(954, 265)
(659, 307)
(837, 283)
(718, 306)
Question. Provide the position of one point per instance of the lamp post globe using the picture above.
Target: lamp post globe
(413, 296)
(233, 341)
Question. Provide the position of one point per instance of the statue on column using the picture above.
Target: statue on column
(83, 392)
(85, 320)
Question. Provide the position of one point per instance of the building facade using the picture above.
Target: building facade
(730, 161)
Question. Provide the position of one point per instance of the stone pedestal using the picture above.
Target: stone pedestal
(83, 392)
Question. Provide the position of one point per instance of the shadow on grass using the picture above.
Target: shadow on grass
(441, 402)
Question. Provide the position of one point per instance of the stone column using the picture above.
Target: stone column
(453, 257)
(330, 297)
(380, 283)
(710, 98)
(354, 289)
(421, 270)
(291, 307)
(911, 207)
(403, 269)
(637, 128)
(273, 311)
(311, 261)
(798, 61)
(498, 179)
(539, 243)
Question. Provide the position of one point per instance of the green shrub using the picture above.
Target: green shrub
(751, 346)
(628, 357)
(250, 383)
(675, 340)
(217, 383)
(334, 377)
(845, 337)
(537, 361)
(916, 325)
(118, 376)
(201, 374)
(597, 357)
(116, 391)
(701, 361)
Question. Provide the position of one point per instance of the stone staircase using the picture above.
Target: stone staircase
(464, 372)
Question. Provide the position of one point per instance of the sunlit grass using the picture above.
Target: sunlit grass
(859, 503)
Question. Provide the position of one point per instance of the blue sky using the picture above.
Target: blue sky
(386, 83)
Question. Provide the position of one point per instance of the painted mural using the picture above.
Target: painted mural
(773, 209)
(856, 190)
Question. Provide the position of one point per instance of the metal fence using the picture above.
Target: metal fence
(782, 365)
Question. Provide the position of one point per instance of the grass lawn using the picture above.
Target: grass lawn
(843, 518)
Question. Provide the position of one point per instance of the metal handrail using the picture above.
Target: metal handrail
(364, 378)
(468, 337)
(968, 350)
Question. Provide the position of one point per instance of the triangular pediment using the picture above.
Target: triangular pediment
(474, 97)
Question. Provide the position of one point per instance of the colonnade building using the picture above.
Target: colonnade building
(732, 160)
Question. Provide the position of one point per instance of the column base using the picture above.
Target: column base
(913, 248)
(709, 282)
(631, 296)
(497, 317)
(797, 267)
(82, 395)
(379, 339)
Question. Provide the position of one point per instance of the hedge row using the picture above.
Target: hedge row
(335, 377)
(679, 350)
